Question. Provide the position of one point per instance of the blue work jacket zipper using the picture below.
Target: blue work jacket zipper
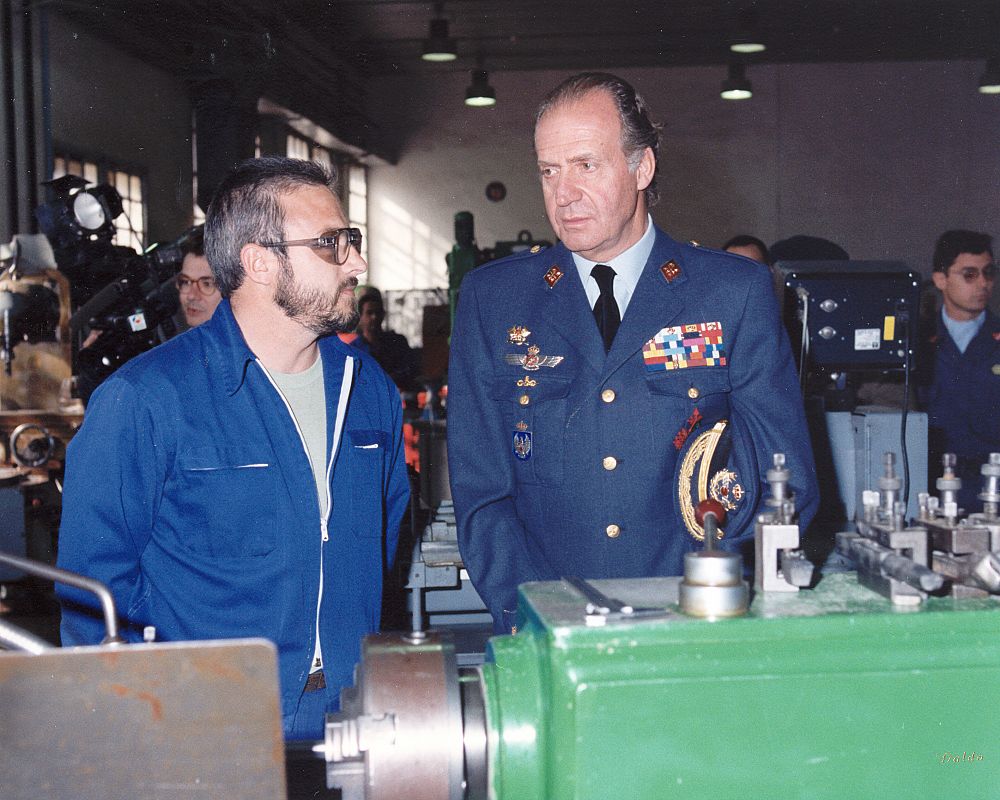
(338, 428)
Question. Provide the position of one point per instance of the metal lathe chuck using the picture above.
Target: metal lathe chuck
(412, 726)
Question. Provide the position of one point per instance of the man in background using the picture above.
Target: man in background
(962, 386)
(196, 286)
(389, 348)
(749, 246)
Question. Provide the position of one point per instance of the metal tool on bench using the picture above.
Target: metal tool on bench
(779, 564)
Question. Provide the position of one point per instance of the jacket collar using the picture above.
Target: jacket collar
(226, 347)
(654, 303)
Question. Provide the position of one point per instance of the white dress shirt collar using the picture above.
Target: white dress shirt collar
(628, 268)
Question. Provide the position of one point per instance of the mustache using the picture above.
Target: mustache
(348, 283)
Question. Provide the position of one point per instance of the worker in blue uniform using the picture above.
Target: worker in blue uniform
(962, 387)
(600, 388)
(246, 479)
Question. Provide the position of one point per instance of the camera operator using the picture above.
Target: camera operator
(195, 284)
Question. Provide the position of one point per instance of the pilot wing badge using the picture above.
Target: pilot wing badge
(533, 359)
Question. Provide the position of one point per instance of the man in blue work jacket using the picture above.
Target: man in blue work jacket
(963, 383)
(246, 479)
(599, 389)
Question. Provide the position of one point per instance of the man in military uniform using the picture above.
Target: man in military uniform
(592, 384)
(963, 387)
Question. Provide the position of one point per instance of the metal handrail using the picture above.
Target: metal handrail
(78, 581)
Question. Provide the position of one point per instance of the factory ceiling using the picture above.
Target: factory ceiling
(303, 53)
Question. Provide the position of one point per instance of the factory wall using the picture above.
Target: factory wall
(106, 103)
(879, 158)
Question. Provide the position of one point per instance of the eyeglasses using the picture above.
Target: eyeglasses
(205, 285)
(971, 274)
(338, 243)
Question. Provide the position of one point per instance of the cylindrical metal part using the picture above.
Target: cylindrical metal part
(991, 484)
(15, 638)
(712, 568)
(889, 484)
(474, 733)
(909, 572)
(387, 743)
(80, 582)
(778, 477)
(713, 585)
(948, 485)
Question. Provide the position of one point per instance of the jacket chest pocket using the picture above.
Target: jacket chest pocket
(676, 395)
(363, 452)
(227, 501)
(533, 410)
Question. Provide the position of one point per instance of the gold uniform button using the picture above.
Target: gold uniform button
(613, 531)
(610, 462)
(524, 399)
(693, 392)
(608, 395)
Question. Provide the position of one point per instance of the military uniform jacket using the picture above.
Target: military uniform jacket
(565, 460)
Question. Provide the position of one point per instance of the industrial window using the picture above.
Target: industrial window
(353, 190)
(131, 224)
(297, 147)
(357, 202)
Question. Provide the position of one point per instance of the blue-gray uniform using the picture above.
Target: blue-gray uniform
(963, 403)
(565, 461)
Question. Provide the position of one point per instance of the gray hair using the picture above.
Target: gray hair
(638, 132)
(246, 209)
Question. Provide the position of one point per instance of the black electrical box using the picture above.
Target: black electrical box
(851, 316)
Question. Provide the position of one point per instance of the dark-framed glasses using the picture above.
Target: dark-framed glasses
(206, 285)
(338, 243)
(971, 274)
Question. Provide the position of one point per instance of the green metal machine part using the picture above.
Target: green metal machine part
(832, 692)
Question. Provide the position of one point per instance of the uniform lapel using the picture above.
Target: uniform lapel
(655, 304)
(567, 310)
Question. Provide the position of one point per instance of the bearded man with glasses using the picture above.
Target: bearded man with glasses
(962, 384)
(246, 478)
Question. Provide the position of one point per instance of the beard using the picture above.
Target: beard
(321, 312)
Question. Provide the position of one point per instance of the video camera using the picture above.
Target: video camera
(122, 294)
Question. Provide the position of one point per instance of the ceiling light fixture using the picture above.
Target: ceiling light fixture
(439, 46)
(989, 83)
(737, 86)
(746, 39)
(745, 44)
(480, 94)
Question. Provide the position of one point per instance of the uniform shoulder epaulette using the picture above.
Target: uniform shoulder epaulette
(534, 250)
(520, 255)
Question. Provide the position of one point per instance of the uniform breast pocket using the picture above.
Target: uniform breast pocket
(677, 393)
(534, 415)
(364, 452)
(227, 501)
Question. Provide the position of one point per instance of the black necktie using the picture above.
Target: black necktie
(606, 308)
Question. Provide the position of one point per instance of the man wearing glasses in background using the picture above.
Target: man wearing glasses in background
(195, 284)
(246, 478)
(962, 382)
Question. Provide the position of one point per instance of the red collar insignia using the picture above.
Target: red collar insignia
(669, 271)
